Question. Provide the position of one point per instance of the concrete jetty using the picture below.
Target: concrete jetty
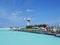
(37, 31)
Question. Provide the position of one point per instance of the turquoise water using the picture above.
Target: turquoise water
(22, 38)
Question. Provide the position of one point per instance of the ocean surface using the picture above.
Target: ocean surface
(8, 37)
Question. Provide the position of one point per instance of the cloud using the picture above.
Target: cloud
(14, 19)
(17, 13)
(10, 19)
(15, 16)
(29, 10)
(20, 12)
(25, 18)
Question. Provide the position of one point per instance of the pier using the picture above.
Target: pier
(37, 31)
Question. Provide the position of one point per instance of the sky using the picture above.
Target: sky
(13, 13)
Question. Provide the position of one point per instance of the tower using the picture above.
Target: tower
(28, 22)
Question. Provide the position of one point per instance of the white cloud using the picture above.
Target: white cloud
(25, 18)
(17, 13)
(29, 10)
(10, 18)
(20, 12)
(15, 16)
